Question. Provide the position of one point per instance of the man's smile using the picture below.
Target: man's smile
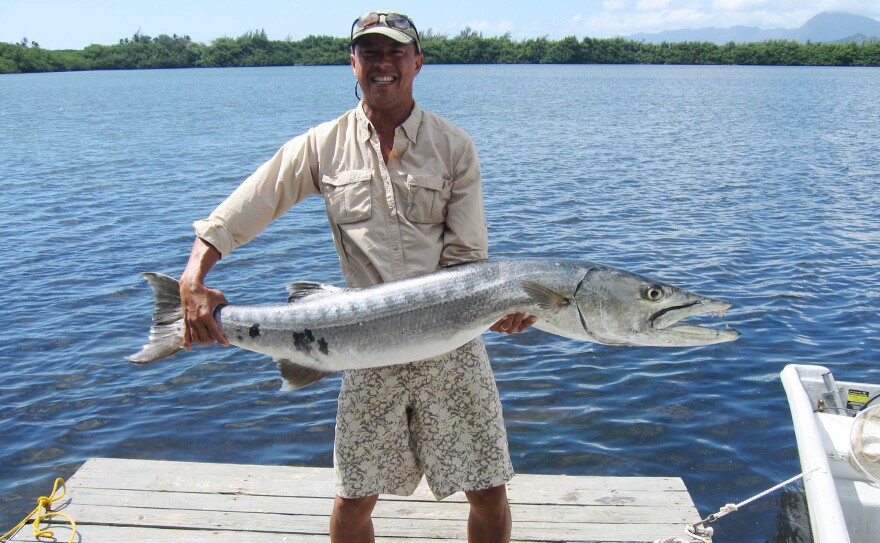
(383, 79)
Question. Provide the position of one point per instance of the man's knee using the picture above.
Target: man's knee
(491, 501)
(351, 521)
(489, 520)
(354, 509)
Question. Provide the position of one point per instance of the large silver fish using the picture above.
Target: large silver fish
(323, 329)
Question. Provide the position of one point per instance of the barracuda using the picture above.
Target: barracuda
(323, 329)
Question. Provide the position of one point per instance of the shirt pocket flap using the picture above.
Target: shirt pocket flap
(348, 177)
(428, 196)
(348, 195)
(432, 182)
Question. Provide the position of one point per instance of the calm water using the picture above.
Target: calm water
(757, 185)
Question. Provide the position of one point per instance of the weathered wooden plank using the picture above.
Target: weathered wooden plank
(318, 482)
(116, 471)
(137, 500)
(295, 525)
(386, 508)
(117, 534)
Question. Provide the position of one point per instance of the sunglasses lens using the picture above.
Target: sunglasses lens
(391, 20)
(367, 20)
(396, 21)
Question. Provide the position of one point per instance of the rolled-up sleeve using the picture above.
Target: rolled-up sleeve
(465, 238)
(281, 182)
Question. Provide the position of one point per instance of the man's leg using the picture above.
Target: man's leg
(489, 521)
(351, 520)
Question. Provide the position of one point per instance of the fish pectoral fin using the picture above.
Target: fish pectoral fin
(296, 376)
(545, 298)
(303, 289)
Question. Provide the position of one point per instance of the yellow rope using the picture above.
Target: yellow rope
(43, 511)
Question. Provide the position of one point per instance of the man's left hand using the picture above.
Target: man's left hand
(514, 323)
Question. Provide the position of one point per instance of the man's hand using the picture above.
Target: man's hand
(199, 303)
(514, 323)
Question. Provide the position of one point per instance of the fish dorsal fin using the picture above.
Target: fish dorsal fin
(303, 289)
(295, 376)
(545, 298)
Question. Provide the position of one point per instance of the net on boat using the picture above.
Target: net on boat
(864, 442)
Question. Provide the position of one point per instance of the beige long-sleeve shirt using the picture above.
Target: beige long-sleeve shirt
(420, 211)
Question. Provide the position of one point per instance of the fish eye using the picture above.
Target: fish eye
(653, 293)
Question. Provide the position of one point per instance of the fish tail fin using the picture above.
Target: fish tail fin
(166, 334)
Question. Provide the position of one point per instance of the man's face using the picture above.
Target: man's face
(385, 69)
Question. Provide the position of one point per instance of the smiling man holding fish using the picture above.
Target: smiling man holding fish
(404, 202)
(403, 194)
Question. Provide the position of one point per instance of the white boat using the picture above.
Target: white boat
(842, 481)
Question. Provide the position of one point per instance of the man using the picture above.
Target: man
(403, 194)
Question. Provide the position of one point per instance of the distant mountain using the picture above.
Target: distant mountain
(828, 26)
(824, 27)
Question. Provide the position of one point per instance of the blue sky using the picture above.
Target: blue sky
(67, 24)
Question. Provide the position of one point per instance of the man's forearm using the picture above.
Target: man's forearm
(201, 259)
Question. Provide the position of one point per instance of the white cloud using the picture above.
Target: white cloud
(739, 5)
(651, 5)
(614, 5)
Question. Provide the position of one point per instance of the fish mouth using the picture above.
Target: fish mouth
(667, 321)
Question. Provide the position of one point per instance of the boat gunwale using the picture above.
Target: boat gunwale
(822, 498)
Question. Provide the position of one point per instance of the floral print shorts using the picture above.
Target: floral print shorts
(439, 417)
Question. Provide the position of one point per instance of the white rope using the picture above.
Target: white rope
(731, 507)
(703, 534)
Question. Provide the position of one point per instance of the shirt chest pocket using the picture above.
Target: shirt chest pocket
(427, 198)
(348, 195)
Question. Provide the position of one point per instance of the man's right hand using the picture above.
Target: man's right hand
(199, 301)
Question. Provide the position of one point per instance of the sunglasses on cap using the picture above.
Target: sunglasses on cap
(405, 29)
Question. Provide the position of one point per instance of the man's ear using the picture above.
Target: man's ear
(420, 61)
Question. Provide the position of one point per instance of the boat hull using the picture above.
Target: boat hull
(844, 507)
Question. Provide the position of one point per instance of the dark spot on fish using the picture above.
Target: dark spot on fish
(303, 341)
(254, 331)
(239, 338)
(322, 346)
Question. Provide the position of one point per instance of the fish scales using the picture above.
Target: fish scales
(374, 327)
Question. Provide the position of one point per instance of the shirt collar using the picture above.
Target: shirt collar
(412, 123)
(410, 126)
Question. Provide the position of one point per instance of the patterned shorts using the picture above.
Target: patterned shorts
(439, 417)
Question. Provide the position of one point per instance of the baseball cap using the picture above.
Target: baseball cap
(392, 24)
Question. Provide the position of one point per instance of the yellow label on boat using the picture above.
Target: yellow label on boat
(856, 398)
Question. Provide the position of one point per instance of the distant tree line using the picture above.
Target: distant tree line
(468, 47)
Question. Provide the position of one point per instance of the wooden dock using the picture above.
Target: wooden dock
(135, 501)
